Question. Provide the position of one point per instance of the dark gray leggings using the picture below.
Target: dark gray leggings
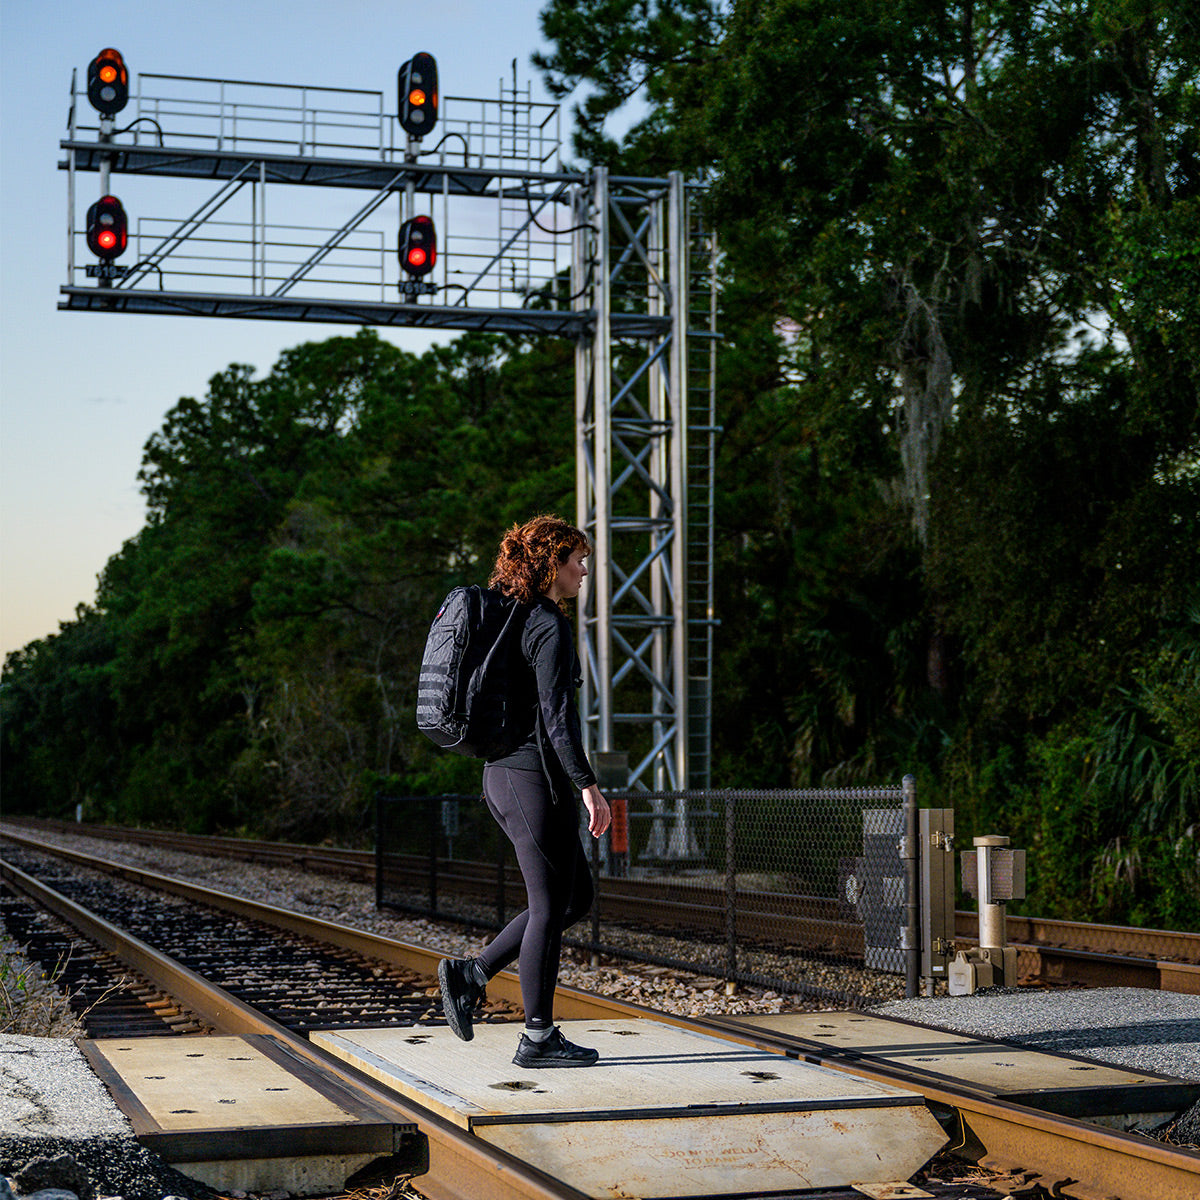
(558, 883)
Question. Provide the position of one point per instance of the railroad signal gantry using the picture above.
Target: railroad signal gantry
(495, 234)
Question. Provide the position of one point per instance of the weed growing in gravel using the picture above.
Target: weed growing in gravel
(31, 1002)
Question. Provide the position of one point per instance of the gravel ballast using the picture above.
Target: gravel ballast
(1147, 1031)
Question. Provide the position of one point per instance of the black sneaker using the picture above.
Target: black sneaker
(461, 994)
(554, 1051)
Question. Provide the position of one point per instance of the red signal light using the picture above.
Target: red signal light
(107, 228)
(418, 245)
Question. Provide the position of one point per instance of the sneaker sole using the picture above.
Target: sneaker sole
(533, 1063)
(465, 1032)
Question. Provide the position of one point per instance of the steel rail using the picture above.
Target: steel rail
(461, 1167)
(1073, 1157)
(1095, 955)
(505, 986)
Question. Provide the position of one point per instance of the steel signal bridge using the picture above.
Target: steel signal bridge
(218, 178)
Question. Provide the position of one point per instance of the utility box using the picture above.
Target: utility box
(1004, 876)
(979, 967)
(936, 830)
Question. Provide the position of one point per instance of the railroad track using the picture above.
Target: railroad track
(460, 1167)
(108, 997)
(1099, 1161)
(1051, 951)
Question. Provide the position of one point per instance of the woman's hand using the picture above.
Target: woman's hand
(599, 815)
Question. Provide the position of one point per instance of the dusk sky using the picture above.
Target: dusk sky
(80, 393)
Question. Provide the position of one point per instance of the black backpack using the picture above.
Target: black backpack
(463, 700)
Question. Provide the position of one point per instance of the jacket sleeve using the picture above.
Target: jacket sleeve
(552, 656)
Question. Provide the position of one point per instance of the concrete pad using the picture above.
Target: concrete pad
(240, 1112)
(644, 1065)
(665, 1111)
(1140, 1029)
(1069, 1085)
(212, 1083)
(735, 1154)
(991, 1066)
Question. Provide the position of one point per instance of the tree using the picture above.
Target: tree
(252, 656)
(650, 49)
(57, 731)
(409, 501)
(950, 251)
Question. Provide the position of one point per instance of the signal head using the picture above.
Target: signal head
(108, 82)
(417, 99)
(107, 228)
(418, 246)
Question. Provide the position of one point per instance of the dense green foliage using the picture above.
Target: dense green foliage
(961, 466)
(958, 499)
(251, 658)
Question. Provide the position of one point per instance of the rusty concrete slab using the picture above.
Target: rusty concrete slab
(996, 1067)
(240, 1112)
(665, 1112)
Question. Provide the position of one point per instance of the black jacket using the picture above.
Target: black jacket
(544, 681)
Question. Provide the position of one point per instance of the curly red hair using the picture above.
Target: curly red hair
(531, 554)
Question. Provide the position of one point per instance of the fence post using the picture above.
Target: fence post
(911, 937)
(378, 850)
(730, 897)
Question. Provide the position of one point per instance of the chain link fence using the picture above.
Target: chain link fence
(800, 891)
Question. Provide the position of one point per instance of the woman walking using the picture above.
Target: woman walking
(534, 792)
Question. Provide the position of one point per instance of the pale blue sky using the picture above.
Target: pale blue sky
(81, 393)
